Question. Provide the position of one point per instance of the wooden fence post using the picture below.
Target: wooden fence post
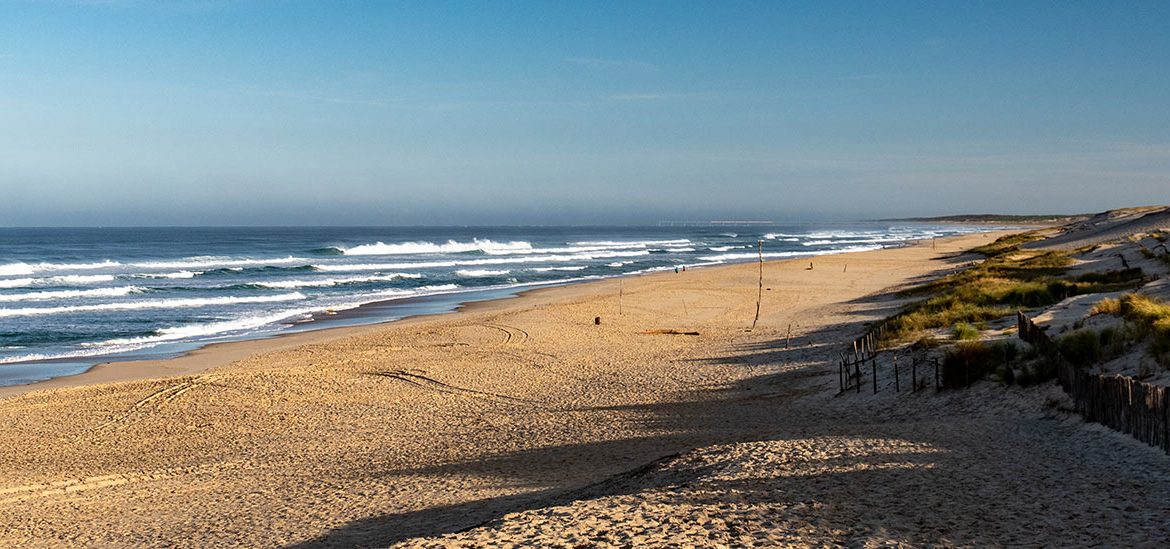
(897, 382)
(873, 366)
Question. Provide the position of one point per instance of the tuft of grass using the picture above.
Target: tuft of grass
(1108, 306)
(964, 331)
(1152, 318)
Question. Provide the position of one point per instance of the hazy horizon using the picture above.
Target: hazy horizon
(226, 113)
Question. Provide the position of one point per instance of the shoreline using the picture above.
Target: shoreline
(217, 354)
(413, 431)
(220, 353)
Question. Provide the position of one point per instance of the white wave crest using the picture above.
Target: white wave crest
(753, 255)
(632, 243)
(15, 269)
(569, 268)
(724, 248)
(17, 282)
(327, 282)
(70, 294)
(208, 261)
(202, 330)
(66, 280)
(178, 274)
(876, 240)
(160, 304)
(344, 267)
(20, 268)
(79, 279)
(480, 272)
(451, 247)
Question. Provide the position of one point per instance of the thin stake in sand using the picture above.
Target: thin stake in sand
(760, 294)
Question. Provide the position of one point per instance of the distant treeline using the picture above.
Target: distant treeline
(998, 218)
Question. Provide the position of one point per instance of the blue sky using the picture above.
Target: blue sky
(287, 112)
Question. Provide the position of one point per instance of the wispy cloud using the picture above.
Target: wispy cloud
(873, 76)
(612, 64)
(659, 96)
(337, 100)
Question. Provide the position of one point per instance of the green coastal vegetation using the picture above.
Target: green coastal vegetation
(956, 309)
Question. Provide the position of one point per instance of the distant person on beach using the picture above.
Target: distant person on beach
(676, 270)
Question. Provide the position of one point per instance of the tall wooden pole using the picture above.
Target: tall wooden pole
(760, 294)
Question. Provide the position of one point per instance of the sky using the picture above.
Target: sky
(252, 112)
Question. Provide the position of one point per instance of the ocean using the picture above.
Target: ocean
(73, 297)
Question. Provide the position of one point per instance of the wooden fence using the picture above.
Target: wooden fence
(1119, 402)
(862, 359)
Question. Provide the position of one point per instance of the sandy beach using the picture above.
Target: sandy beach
(521, 421)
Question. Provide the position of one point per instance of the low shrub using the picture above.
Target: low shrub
(925, 342)
(1082, 347)
(1123, 276)
(970, 361)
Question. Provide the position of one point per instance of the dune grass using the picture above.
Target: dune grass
(1008, 280)
(1152, 318)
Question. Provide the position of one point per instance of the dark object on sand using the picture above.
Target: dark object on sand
(597, 321)
(669, 332)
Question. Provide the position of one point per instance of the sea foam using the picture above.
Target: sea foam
(66, 280)
(72, 294)
(480, 272)
(159, 304)
(328, 282)
(450, 247)
(217, 261)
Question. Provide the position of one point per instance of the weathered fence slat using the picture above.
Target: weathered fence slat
(1122, 403)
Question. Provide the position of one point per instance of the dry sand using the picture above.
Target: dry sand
(521, 422)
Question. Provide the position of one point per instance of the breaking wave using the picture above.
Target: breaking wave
(159, 304)
(71, 294)
(480, 272)
(450, 247)
(327, 282)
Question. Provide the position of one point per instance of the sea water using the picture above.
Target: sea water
(72, 297)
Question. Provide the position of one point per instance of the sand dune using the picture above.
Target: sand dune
(1109, 226)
